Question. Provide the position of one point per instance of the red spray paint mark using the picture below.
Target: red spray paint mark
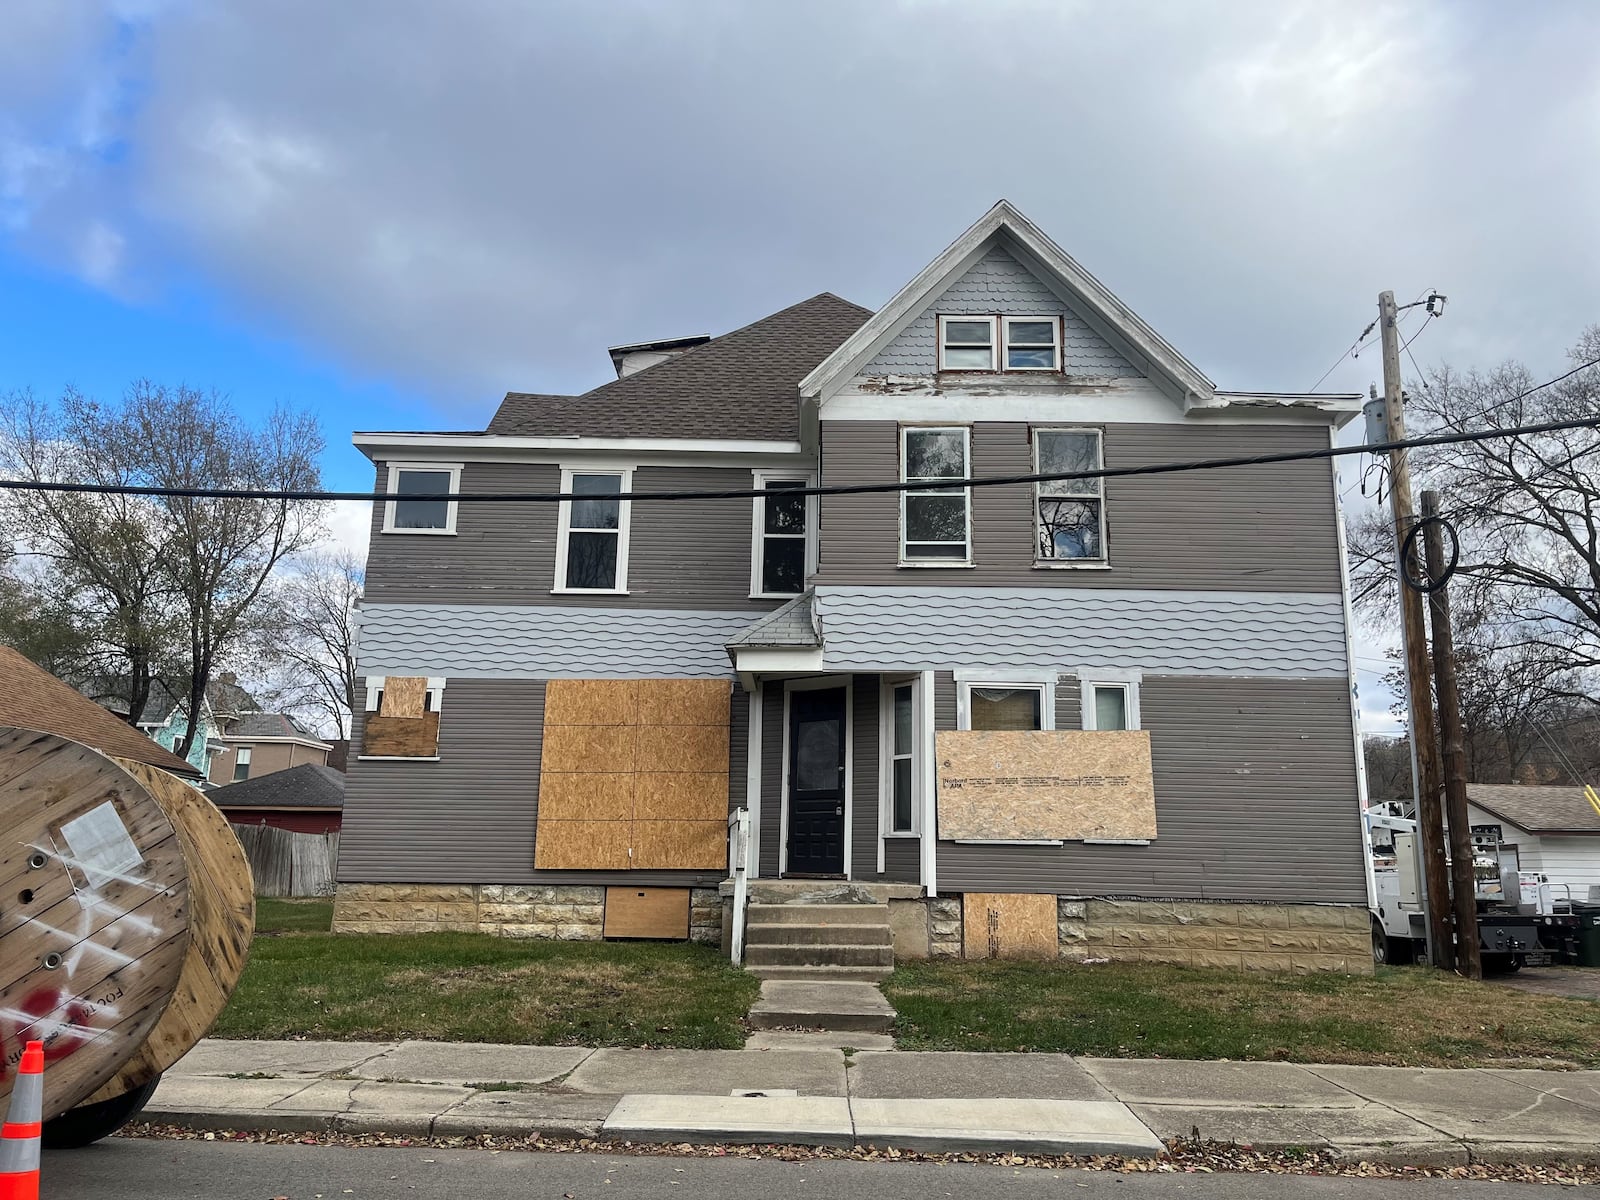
(62, 1021)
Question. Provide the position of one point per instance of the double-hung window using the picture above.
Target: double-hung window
(1070, 514)
(241, 764)
(966, 343)
(1004, 705)
(1032, 343)
(935, 522)
(419, 505)
(780, 551)
(592, 538)
(899, 735)
(1110, 704)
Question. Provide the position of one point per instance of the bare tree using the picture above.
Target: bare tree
(310, 631)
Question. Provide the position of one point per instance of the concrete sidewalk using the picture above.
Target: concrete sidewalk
(1025, 1103)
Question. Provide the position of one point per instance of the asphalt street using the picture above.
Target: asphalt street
(129, 1169)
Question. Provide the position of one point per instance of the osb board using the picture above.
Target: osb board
(684, 701)
(647, 913)
(585, 796)
(702, 748)
(607, 748)
(401, 737)
(582, 845)
(1001, 925)
(1034, 786)
(94, 929)
(591, 701)
(680, 845)
(681, 796)
(403, 696)
(222, 922)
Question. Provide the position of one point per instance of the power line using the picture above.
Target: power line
(853, 489)
(1361, 343)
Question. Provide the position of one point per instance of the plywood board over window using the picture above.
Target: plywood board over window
(646, 759)
(404, 695)
(1052, 785)
(1000, 925)
(402, 728)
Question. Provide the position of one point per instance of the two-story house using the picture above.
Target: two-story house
(565, 698)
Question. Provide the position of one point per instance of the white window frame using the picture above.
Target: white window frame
(886, 757)
(994, 339)
(1045, 682)
(1128, 681)
(1070, 564)
(395, 468)
(758, 521)
(374, 692)
(966, 493)
(564, 529)
(1055, 344)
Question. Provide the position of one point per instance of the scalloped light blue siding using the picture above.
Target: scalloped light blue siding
(1286, 635)
(998, 283)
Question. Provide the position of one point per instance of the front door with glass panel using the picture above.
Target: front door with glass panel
(816, 782)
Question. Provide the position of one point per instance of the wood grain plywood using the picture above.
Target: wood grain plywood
(680, 845)
(684, 701)
(403, 696)
(401, 737)
(1001, 925)
(597, 748)
(680, 796)
(582, 845)
(223, 921)
(591, 701)
(585, 796)
(694, 748)
(1036, 786)
(647, 913)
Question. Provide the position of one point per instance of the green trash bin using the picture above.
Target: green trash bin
(1589, 938)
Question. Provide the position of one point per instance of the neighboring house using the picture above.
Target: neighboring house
(532, 733)
(1552, 830)
(308, 798)
(258, 743)
(33, 698)
(166, 717)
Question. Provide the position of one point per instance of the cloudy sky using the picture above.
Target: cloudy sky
(392, 212)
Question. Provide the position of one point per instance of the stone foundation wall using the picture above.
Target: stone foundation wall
(568, 912)
(1250, 937)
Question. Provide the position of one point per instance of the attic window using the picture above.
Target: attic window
(966, 343)
(1032, 343)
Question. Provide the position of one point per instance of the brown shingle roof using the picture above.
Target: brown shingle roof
(1537, 808)
(33, 698)
(744, 384)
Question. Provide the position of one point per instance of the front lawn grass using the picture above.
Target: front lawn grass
(1405, 1016)
(293, 916)
(481, 988)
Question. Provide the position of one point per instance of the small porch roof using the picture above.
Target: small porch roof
(786, 639)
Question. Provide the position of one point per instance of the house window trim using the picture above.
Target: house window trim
(1128, 681)
(761, 479)
(393, 485)
(887, 687)
(1103, 563)
(994, 342)
(966, 493)
(246, 761)
(1044, 681)
(624, 523)
(374, 692)
(1006, 321)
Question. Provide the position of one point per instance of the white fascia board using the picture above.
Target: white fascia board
(1097, 304)
(776, 661)
(1341, 408)
(479, 447)
(230, 739)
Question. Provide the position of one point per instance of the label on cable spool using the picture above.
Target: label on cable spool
(100, 847)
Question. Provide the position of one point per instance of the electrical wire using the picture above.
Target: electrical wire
(850, 489)
(1361, 342)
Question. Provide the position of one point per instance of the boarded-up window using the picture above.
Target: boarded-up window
(634, 774)
(405, 722)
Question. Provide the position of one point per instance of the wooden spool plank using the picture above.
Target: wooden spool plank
(94, 913)
(222, 896)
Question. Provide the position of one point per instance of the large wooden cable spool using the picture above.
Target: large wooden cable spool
(223, 919)
(94, 913)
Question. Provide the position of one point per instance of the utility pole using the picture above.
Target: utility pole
(1463, 878)
(1419, 692)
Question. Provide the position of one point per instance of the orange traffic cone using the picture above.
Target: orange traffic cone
(19, 1139)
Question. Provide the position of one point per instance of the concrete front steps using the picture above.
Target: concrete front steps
(838, 941)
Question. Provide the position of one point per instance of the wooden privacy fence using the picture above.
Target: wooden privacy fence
(290, 864)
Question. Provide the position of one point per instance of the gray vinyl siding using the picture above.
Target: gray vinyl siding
(902, 860)
(772, 772)
(1069, 703)
(1255, 800)
(1265, 528)
(683, 554)
(471, 816)
(864, 784)
(998, 284)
